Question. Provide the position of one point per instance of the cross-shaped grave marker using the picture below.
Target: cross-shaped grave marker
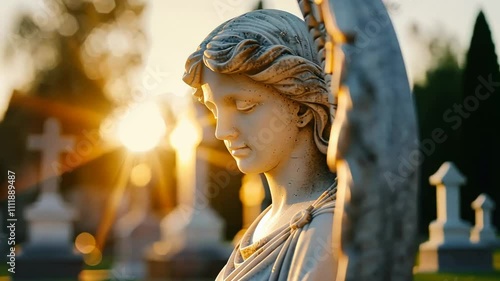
(50, 209)
(51, 144)
(49, 218)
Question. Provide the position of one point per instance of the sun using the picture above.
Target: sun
(142, 127)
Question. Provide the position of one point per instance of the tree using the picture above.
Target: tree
(433, 98)
(79, 57)
(481, 120)
(260, 5)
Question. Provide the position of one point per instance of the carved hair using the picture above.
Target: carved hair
(271, 47)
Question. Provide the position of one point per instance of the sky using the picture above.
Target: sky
(175, 28)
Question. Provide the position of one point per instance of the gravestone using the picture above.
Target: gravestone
(191, 247)
(483, 231)
(134, 232)
(48, 252)
(449, 248)
(448, 227)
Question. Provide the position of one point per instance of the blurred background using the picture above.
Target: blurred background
(109, 73)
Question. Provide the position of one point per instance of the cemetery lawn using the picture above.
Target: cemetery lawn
(3, 269)
(457, 276)
(493, 276)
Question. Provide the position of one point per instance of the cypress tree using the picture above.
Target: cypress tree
(480, 105)
(260, 6)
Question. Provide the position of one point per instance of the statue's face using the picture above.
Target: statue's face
(256, 123)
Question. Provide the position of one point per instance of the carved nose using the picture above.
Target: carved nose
(225, 130)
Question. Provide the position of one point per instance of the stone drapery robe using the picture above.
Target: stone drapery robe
(301, 250)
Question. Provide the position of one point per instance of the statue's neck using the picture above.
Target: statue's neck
(302, 179)
(294, 186)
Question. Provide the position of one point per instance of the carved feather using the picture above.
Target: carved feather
(373, 135)
(316, 26)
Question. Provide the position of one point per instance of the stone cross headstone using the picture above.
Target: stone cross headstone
(449, 248)
(483, 231)
(51, 144)
(448, 227)
(192, 234)
(49, 219)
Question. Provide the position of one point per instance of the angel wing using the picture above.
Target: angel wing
(373, 144)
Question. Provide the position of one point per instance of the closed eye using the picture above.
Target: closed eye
(245, 106)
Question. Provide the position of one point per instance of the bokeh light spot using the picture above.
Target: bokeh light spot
(85, 243)
(93, 258)
(140, 175)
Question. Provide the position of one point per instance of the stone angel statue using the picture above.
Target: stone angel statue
(326, 120)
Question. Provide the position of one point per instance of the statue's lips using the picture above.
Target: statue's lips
(239, 151)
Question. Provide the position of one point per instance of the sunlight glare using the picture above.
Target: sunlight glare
(252, 192)
(142, 128)
(186, 135)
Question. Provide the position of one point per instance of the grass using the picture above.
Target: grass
(457, 276)
(3, 269)
(473, 276)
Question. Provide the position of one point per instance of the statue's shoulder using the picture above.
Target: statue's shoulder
(314, 256)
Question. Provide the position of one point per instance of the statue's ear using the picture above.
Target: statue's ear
(305, 115)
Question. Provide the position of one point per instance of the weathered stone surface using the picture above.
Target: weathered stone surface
(373, 145)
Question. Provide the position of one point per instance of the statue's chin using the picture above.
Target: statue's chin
(247, 166)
